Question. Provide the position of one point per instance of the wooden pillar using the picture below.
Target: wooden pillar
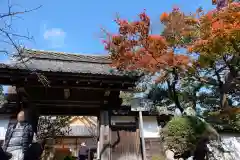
(89, 154)
(98, 138)
(104, 139)
(30, 110)
(31, 116)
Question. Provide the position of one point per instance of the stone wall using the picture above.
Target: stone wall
(230, 144)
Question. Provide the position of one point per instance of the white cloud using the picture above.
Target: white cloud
(55, 36)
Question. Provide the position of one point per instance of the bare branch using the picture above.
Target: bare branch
(10, 13)
(9, 38)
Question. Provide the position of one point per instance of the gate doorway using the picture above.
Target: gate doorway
(129, 144)
(52, 83)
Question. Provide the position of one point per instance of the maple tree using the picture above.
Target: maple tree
(135, 48)
(213, 37)
(218, 49)
(193, 51)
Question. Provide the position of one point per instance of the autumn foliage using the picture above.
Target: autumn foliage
(135, 48)
(210, 34)
(219, 34)
(201, 48)
(187, 43)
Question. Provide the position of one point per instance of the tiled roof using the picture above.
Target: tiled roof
(62, 62)
(50, 55)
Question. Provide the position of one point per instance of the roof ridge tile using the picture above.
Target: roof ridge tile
(63, 56)
(66, 53)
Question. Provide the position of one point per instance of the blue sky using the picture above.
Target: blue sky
(74, 26)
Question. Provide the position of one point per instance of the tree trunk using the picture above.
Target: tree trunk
(175, 95)
(201, 150)
(223, 100)
(176, 100)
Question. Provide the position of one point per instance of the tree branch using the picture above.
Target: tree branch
(10, 13)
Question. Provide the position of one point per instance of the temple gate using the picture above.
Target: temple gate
(51, 83)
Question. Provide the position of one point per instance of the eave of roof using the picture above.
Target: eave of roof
(58, 62)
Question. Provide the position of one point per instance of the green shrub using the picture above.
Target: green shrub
(181, 134)
(68, 158)
(225, 120)
(158, 158)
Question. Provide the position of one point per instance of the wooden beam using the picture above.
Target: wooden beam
(68, 105)
(98, 83)
(82, 86)
(66, 102)
(68, 112)
(116, 88)
(59, 105)
(21, 73)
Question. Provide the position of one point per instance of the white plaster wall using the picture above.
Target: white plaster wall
(4, 120)
(150, 127)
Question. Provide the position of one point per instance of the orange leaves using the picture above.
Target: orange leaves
(116, 39)
(171, 60)
(209, 15)
(210, 34)
(190, 49)
(141, 26)
(191, 21)
(177, 26)
(218, 29)
(226, 113)
(164, 17)
(124, 26)
(214, 2)
(144, 18)
(226, 19)
(156, 45)
(135, 48)
(129, 55)
(157, 38)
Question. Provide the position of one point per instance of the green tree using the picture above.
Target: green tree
(184, 134)
(48, 128)
(217, 47)
(126, 98)
(51, 126)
